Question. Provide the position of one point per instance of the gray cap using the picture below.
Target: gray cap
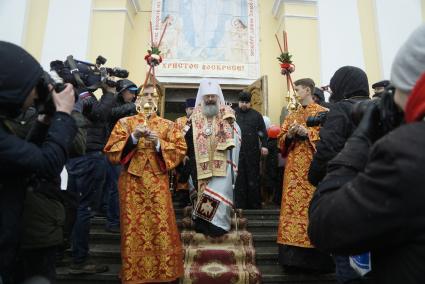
(409, 63)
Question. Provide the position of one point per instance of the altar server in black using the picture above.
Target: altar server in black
(254, 142)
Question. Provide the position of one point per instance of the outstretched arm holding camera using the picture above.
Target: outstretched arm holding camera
(100, 110)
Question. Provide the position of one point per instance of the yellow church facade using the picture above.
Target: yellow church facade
(323, 35)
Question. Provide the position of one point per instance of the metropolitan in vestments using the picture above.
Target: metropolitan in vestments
(213, 141)
(298, 143)
(148, 146)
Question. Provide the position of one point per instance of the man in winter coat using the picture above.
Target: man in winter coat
(351, 84)
(372, 197)
(87, 175)
(20, 159)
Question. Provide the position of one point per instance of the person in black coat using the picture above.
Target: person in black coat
(124, 101)
(254, 144)
(87, 175)
(372, 197)
(272, 174)
(20, 159)
(351, 84)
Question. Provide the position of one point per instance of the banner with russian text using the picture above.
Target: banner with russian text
(207, 38)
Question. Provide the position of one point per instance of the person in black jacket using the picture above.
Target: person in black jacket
(21, 160)
(372, 197)
(351, 84)
(254, 144)
(124, 101)
(86, 177)
(123, 106)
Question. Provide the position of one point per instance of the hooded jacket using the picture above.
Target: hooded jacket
(19, 74)
(22, 159)
(349, 85)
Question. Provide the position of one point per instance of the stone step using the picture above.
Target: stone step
(109, 277)
(110, 254)
(270, 274)
(253, 225)
(261, 238)
(262, 214)
(250, 214)
(274, 273)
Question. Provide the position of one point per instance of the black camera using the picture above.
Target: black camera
(390, 115)
(316, 120)
(85, 75)
(44, 103)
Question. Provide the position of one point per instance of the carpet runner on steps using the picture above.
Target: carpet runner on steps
(226, 259)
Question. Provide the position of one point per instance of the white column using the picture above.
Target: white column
(67, 30)
(396, 19)
(13, 18)
(340, 36)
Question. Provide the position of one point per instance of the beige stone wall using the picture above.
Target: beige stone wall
(36, 25)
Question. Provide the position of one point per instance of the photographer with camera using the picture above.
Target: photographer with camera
(87, 174)
(372, 197)
(351, 84)
(21, 159)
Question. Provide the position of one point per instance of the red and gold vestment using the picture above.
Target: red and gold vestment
(297, 190)
(151, 249)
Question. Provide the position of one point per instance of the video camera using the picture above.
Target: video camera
(318, 119)
(390, 115)
(85, 75)
(82, 75)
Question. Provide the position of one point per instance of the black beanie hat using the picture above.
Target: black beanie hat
(244, 97)
(19, 74)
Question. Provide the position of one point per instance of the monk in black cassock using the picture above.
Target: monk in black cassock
(254, 143)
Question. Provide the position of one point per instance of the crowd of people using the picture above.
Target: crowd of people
(345, 173)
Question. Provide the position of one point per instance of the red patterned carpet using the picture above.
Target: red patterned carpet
(229, 259)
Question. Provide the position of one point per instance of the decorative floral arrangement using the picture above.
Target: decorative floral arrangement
(153, 58)
(286, 68)
(286, 65)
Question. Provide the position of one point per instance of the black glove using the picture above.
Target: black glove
(355, 153)
(370, 126)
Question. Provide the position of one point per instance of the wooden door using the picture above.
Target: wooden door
(259, 99)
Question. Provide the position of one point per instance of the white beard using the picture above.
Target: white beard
(209, 110)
